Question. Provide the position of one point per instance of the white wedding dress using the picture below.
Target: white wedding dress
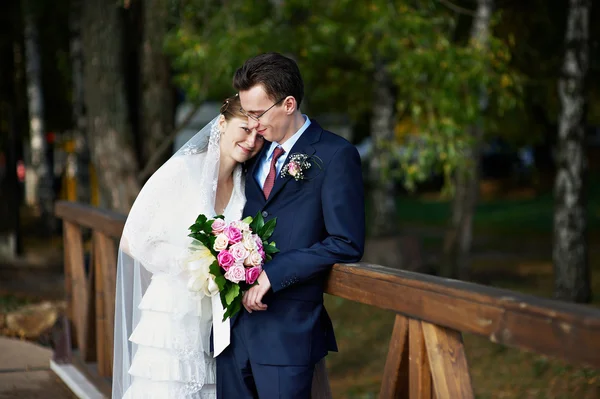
(162, 330)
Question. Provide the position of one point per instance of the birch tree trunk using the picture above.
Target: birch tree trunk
(383, 221)
(109, 130)
(157, 94)
(570, 250)
(38, 185)
(458, 239)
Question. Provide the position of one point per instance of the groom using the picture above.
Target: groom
(284, 329)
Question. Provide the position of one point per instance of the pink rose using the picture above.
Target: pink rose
(218, 226)
(226, 259)
(236, 273)
(258, 240)
(233, 234)
(261, 252)
(252, 274)
(239, 252)
(293, 168)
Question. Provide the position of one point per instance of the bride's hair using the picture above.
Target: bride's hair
(231, 108)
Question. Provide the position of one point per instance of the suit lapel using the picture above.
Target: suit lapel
(304, 145)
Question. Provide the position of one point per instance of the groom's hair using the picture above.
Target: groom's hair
(279, 76)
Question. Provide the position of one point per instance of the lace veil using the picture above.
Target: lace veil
(155, 241)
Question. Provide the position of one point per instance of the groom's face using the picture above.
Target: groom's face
(271, 118)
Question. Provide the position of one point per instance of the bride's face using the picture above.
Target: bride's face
(239, 142)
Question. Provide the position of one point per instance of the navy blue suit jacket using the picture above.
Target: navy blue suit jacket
(320, 221)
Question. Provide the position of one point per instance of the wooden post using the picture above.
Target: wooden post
(419, 373)
(105, 270)
(395, 374)
(78, 294)
(446, 353)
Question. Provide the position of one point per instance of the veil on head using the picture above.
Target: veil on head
(155, 238)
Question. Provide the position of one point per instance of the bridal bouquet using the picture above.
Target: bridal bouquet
(230, 256)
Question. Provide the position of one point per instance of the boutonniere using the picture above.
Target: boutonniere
(298, 164)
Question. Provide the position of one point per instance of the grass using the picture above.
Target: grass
(513, 240)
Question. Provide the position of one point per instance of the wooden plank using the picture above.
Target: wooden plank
(420, 376)
(546, 326)
(68, 274)
(105, 266)
(395, 374)
(100, 316)
(449, 369)
(108, 222)
(79, 293)
(90, 354)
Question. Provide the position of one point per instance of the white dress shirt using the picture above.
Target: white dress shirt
(263, 168)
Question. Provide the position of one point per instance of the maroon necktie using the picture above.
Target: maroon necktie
(270, 180)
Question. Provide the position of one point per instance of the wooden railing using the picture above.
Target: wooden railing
(426, 355)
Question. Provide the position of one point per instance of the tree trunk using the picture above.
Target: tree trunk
(79, 160)
(157, 95)
(459, 236)
(383, 221)
(9, 186)
(108, 128)
(38, 185)
(570, 250)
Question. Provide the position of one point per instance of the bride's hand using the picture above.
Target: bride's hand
(252, 299)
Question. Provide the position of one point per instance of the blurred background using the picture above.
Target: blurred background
(478, 124)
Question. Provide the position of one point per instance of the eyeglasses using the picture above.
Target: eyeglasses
(257, 117)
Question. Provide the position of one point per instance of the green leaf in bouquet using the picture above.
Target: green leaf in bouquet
(203, 238)
(221, 282)
(201, 219)
(220, 217)
(223, 296)
(257, 223)
(195, 228)
(215, 270)
(267, 230)
(270, 249)
(268, 257)
(232, 293)
(248, 219)
(232, 309)
(207, 227)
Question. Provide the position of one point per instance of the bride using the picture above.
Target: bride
(162, 345)
(162, 329)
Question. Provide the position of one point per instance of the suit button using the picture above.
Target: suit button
(265, 214)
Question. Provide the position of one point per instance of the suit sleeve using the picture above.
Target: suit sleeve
(342, 197)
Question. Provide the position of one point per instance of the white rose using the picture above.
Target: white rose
(243, 226)
(255, 259)
(221, 242)
(249, 242)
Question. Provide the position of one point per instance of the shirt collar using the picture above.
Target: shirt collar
(289, 144)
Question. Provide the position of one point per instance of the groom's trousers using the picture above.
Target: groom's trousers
(240, 378)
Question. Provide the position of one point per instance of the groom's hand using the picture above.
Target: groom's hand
(252, 299)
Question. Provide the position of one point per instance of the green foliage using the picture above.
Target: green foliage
(438, 81)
